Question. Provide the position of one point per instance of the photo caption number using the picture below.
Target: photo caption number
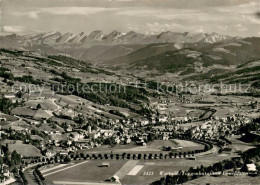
(148, 173)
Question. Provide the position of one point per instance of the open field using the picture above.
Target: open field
(122, 149)
(223, 111)
(155, 169)
(24, 111)
(160, 143)
(238, 180)
(189, 145)
(185, 143)
(153, 147)
(129, 171)
(150, 174)
(177, 110)
(8, 117)
(238, 145)
(132, 171)
(45, 104)
(90, 171)
(24, 149)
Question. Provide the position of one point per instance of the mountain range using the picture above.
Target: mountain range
(168, 51)
(116, 37)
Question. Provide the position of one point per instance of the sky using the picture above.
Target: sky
(227, 17)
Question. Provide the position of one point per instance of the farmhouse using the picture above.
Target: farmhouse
(2, 119)
(105, 164)
(64, 153)
(163, 118)
(191, 158)
(251, 167)
(115, 178)
(145, 121)
(76, 136)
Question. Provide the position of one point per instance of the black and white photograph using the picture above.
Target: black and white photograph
(129, 92)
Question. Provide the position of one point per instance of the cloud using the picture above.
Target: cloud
(85, 11)
(156, 28)
(199, 29)
(30, 14)
(251, 18)
(13, 29)
(246, 8)
(240, 28)
(33, 15)
(75, 10)
(244, 13)
(171, 14)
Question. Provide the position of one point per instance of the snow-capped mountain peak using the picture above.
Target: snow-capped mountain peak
(113, 35)
(96, 35)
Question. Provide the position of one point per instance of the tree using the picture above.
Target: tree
(111, 156)
(6, 105)
(1, 162)
(182, 179)
(229, 165)
(209, 169)
(206, 148)
(244, 168)
(16, 158)
(191, 170)
(67, 159)
(123, 155)
(217, 167)
(23, 177)
(15, 170)
(81, 155)
(19, 94)
(202, 169)
(38, 106)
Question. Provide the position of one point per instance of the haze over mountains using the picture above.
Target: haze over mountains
(168, 51)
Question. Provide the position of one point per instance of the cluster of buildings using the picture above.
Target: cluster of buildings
(217, 127)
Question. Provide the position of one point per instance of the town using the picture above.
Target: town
(141, 132)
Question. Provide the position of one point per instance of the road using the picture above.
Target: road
(65, 168)
(30, 177)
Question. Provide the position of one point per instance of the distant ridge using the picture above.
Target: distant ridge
(116, 37)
